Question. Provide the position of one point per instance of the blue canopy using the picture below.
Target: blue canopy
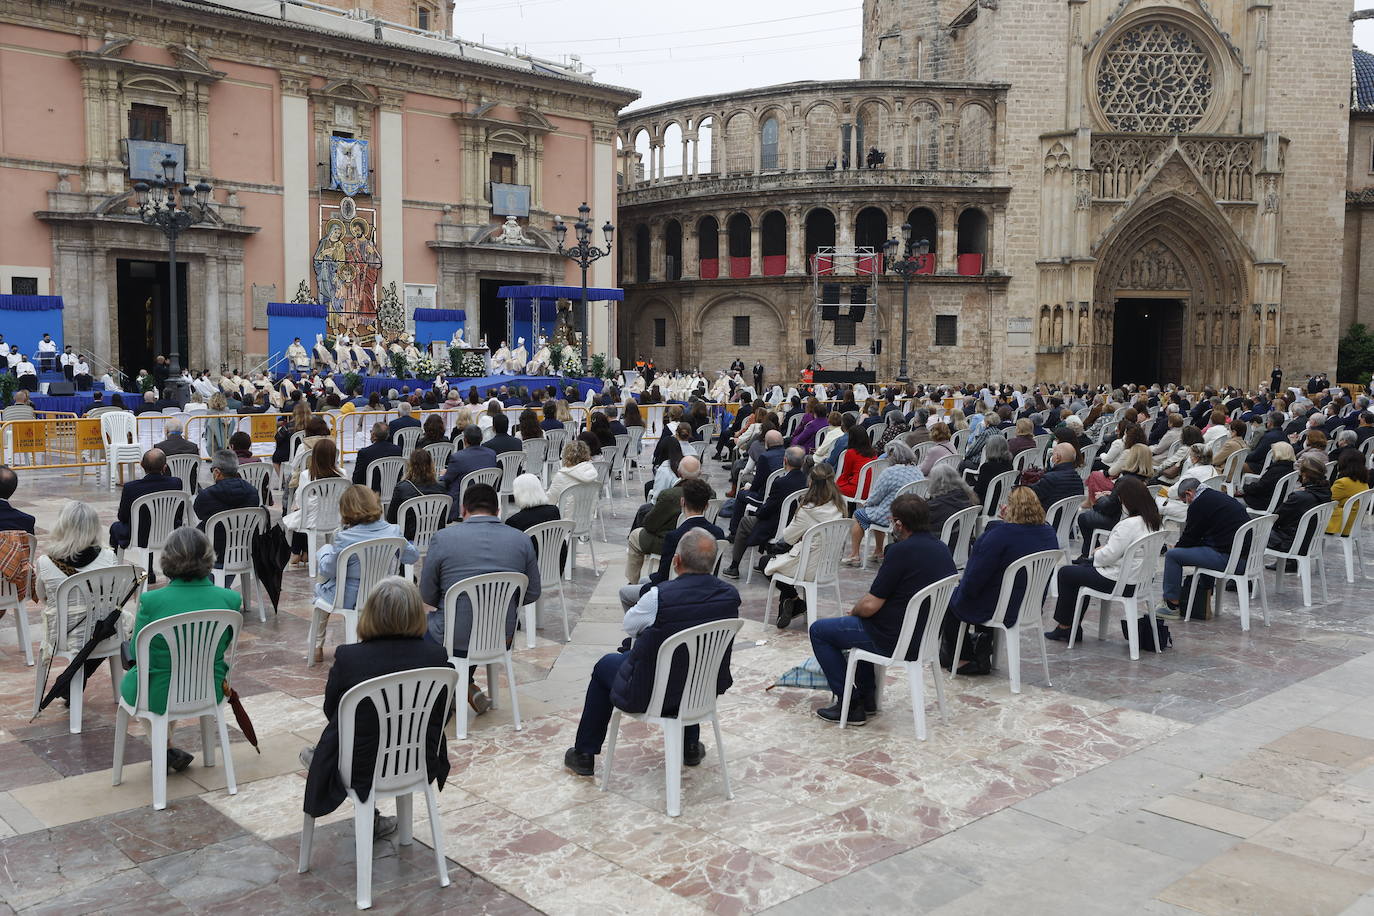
(440, 315)
(560, 292)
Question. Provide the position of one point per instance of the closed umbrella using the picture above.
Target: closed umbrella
(271, 551)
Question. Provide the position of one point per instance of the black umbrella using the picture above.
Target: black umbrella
(271, 551)
(104, 628)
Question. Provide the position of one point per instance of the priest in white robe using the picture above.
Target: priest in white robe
(519, 357)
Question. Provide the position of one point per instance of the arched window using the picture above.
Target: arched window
(925, 135)
(672, 151)
(975, 137)
(820, 233)
(768, 144)
(773, 230)
(672, 251)
(1156, 77)
(924, 226)
(739, 230)
(870, 228)
(708, 248)
(973, 241)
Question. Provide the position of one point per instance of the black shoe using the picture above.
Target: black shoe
(730, 572)
(382, 826)
(694, 753)
(857, 716)
(787, 611)
(974, 667)
(870, 705)
(177, 759)
(578, 762)
(1061, 634)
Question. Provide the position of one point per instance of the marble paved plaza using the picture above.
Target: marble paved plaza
(1233, 774)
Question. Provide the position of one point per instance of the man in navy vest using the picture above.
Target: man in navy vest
(625, 680)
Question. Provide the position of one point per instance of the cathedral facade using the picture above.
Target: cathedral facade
(1153, 190)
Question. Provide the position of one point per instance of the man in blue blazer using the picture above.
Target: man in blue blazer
(473, 456)
(625, 680)
(11, 519)
(1208, 530)
(155, 479)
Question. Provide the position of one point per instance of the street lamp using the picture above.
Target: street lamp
(159, 206)
(907, 266)
(583, 254)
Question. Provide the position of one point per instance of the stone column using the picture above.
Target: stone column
(844, 227)
(691, 252)
(215, 308)
(755, 245)
(656, 252)
(945, 262)
(391, 168)
(796, 241)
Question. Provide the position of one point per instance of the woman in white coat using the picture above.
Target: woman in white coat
(577, 468)
(822, 502)
(322, 461)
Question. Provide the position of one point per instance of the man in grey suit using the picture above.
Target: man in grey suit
(481, 544)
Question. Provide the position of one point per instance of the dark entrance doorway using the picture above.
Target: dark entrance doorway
(1147, 341)
(145, 317)
(493, 313)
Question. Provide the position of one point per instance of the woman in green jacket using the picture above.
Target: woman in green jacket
(187, 560)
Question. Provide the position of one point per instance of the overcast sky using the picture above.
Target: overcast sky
(675, 50)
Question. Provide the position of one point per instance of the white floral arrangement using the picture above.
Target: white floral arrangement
(572, 362)
(424, 368)
(471, 364)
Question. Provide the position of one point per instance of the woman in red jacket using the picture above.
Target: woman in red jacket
(859, 453)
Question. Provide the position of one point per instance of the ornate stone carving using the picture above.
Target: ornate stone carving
(1154, 266)
(1155, 78)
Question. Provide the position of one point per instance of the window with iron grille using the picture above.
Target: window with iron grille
(741, 330)
(660, 332)
(946, 330)
(24, 286)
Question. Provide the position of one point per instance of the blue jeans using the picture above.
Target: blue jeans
(1179, 557)
(597, 708)
(830, 637)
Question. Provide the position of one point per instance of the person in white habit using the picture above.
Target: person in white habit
(458, 340)
(519, 357)
(296, 357)
(322, 354)
(539, 365)
(361, 358)
(412, 352)
(500, 360)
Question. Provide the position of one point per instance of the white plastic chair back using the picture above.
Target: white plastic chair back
(867, 474)
(957, 439)
(1089, 456)
(1029, 458)
(118, 429)
(374, 559)
(324, 495)
(535, 452)
(1034, 572)
(768, 484)
(294, 444)
(488, 476)
(919, 488)
(951, 460)
(722, 555)
(636, 442)
(920, 449)
(549, 540)
(1042, 442)
(490, 596)
(383, 474)
(95, 593)
(237, 527)
(999, 489)
(1234, 469)
(705, 645)
(1061, 516)
(259, 474)
(1355, 513)
(166, 510)
(822, 546)
(554, 441)
(406, 437)
(578, 503)
(511, 463)
(1311, 526)
(187, 467)
(1248, 546)
(427, 513)
(1281, 490)
(935, 599)
(192, 640)
(713, 507)
(403, 703)
(440, 452)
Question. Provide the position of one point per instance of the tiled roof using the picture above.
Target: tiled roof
(1362, 81)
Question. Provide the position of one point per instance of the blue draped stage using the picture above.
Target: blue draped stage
(547, 297)
(288, 320)
(25, 319)
(384, 383)
(437, 324)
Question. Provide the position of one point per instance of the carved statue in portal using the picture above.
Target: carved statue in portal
(1153, 266)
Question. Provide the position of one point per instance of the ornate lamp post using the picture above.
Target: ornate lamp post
(907, 266)
(583, 254)
(158, 206)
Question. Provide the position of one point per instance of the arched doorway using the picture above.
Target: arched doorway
(1169, 299)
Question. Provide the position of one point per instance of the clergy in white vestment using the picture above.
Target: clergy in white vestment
(519, 357)
(296, 357)
(500, 360)
(322, 354)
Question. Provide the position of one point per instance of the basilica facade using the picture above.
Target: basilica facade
(1111, 190)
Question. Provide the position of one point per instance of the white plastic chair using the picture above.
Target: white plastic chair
(957, 533)
(489, 476)
(511, 464)
(917, 488)
(1281, 490)
(550, 538)
(1146, 551)
(119, 431)
(237, 528)
(1306, 550)
(406, 437)
(787, 509)
(99, 592)
(1089, 455)
(705, 646)
(536, 457)
(554, 441)
(1034, 570)
(403, 704)
(377, 558)
(259, 474)
(1029, 458)
(187, 467)
(427, 513)
(323, 495)
(620, 464)
(1244, 566)
(933, 600)
(864, 485)
(818, 564)
(383, 474)
(490, 596)
(636, 449)
(1061, 516)
(1354, 517)
(192, 641)
(578, 503)
(166, 510)
(9, 601)
(440, 452)
(999, 489)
